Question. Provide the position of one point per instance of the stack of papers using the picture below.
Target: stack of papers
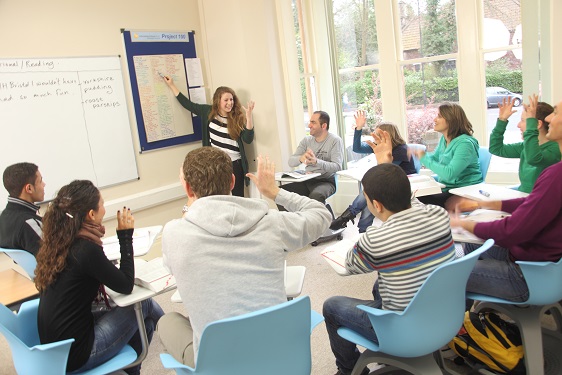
(336, 255)
(153, 275)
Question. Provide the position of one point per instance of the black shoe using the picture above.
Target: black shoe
(364, 372)
(341, 221)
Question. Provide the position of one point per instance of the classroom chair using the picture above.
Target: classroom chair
(484, 158)
(24, 258)
(273, 341)
(417, 162)
(544, 280)
(409, 338)
(32, 357)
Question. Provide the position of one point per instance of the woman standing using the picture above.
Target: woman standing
(455, 160)
(226, 124)
(71, 272)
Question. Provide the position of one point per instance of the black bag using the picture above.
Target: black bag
(488, 340)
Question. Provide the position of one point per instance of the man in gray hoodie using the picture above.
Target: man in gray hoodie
(227, 253)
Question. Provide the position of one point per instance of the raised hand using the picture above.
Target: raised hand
(506, 108)
(249, 109)
(125, 219)
(360, 119)
(531, 108)
(382, 146)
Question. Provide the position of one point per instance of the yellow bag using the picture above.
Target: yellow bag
(487, 339)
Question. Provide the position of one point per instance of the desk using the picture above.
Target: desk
(479, 216)
(497, 193)
(136, 297)
(279, 177)
(15, 288)
(143, 238)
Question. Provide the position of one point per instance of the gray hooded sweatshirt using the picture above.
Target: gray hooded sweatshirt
(228, 253)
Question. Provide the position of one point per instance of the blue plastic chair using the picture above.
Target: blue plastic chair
(32, 357)
(24, 258)
(408, 339)
(417, 162)
(273, 341)
(484, 158)
(543, 280)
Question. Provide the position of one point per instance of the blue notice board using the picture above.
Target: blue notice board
(150, 54)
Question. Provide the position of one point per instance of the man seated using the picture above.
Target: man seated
(413, 240)
(228, 253)
(321, 152)
(20, 224)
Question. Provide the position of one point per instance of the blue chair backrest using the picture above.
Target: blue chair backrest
(417, 162)
(434, 315)
(544, 280)
(25, 259)
(275, 340)
(484, 158)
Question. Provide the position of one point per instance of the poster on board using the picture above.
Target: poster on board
(161, 120)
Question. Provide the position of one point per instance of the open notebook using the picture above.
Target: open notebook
(336, 254)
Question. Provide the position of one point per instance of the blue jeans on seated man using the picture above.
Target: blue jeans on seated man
(359, 205)
(342, 311)
(117, 327)
(496, 275)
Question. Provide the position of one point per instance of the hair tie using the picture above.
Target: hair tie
(69, 215)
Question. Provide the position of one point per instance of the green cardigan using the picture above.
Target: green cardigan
(456, 164)
(534, 158)
(203, 111)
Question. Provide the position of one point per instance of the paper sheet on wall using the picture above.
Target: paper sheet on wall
(163, 116)
(194, 72)
(197, 95)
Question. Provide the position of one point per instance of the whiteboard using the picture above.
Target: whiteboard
(69, 116)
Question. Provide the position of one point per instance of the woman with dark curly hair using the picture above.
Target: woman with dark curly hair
(71, 272)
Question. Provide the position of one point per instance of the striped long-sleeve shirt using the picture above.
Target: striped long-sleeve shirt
(404, 250)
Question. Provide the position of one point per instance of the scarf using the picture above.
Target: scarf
(94, 232)
(91, 232)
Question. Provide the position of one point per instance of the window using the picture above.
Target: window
(428, 31)
(502, 55)
(355, 32)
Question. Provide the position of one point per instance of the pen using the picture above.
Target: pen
(484, 193)
(161, 75)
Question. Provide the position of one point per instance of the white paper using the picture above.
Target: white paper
(336, 255)
(194, 72)
(197, 95)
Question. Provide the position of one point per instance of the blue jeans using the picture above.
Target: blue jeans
(359, 204)
(341, 311)
(496, 275)
(117, 327)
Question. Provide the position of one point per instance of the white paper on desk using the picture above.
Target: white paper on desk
(111, 248)
(336, 255)
(483, 216)
(153, 275)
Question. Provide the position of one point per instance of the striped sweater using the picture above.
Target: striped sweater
(404, 250)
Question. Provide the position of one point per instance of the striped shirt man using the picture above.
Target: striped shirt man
(404, 250)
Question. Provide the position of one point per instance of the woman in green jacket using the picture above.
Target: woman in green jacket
(226, 124)
(455, 160)
(536, 152)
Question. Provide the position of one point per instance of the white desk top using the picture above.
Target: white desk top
(479, 216)
(279, 177)
(497, 193)
(143, 238)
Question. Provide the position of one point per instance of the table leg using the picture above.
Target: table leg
(143, 336)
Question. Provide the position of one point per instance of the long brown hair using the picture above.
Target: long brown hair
(392, 130)
(456, 120)
(61, 224)
(236, 118)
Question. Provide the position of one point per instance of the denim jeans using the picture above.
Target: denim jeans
(117, 327)
(496, 275)
(359, 204)
(341, 311)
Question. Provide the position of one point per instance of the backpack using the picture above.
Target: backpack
(486, 339)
